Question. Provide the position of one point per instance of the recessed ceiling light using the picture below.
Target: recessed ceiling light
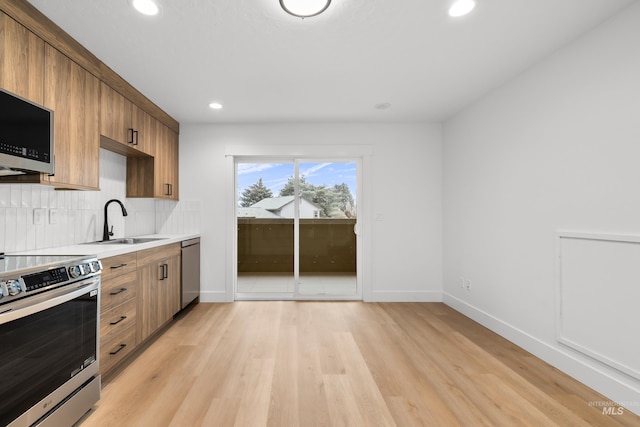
(304, 8)
(146, 7)
(461, 7)
(215, 106)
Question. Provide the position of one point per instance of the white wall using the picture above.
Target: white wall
(556, 148)
(405, 170)
(80, 214)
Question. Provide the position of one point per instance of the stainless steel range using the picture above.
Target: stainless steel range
(49, 337)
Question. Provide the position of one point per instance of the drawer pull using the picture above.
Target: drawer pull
(119, 320)
(122, 346)
(119, 291)
(113, 267)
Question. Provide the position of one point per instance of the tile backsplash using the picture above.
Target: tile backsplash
(38, 217)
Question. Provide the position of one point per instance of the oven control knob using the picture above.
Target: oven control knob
(13, 287)
(75, 271)
(95, 266)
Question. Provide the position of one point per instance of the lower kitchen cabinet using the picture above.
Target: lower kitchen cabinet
(118, 309)
(140, 293)
(159, 288)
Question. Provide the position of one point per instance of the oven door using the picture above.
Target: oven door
(49, 350)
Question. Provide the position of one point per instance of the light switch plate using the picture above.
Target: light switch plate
(53, 216)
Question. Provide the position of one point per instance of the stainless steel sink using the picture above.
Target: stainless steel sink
(127, 241)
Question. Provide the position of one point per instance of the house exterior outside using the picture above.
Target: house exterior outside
(280, 207)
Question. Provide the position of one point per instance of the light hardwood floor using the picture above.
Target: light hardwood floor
(340, 364)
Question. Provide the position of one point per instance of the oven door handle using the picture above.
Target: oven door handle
(36, 303)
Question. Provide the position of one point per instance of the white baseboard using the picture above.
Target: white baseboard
(213, 296)
(616, 386)
(406, 296)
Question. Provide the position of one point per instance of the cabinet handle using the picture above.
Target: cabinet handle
(135, 141)
(113, 267)
(119, 291)
(130, 132)
(168, 192)
(119, 320)
(164, 271)
(122, 346)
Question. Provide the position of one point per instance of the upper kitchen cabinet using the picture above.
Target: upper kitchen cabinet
(74, 96)
(21, 60)
(125, 128)
(93, 107)
(166, 158)
(156, 176)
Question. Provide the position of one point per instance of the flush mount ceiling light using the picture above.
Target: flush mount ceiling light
(146, 7)
(461, 7)
(304, 8)
(383, 106)
(215, 106)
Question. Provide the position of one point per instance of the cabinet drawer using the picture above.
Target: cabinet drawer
(116, 320)
(117, 290)
(161, 253)
(118, 265)
(117, 348)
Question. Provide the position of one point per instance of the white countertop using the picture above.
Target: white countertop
(110, 249)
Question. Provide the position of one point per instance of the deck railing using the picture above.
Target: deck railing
(326, 245)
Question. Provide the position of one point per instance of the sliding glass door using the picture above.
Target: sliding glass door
(265, 224)
(327, 228)
(296, 229)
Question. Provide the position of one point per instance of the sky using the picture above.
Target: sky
(275, 175)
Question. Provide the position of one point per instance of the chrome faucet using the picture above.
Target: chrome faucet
(106, 232)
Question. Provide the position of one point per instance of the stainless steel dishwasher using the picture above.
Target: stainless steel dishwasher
(190, 285)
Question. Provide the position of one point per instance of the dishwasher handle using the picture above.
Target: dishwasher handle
(190, 242)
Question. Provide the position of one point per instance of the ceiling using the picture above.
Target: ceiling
(266, 66)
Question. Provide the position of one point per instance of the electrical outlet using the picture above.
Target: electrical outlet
(53, 216)
(38, 216)
(467, 284)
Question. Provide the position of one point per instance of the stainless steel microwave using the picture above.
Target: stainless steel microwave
(26, 136)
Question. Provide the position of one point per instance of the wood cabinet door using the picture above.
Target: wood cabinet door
(173, 163)
(166, 163)
(126, 125)
(158, 295)
(144, 126)
(74, 96)
(115, 115)
(172, 287)
(21, 61)
(148, 302)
